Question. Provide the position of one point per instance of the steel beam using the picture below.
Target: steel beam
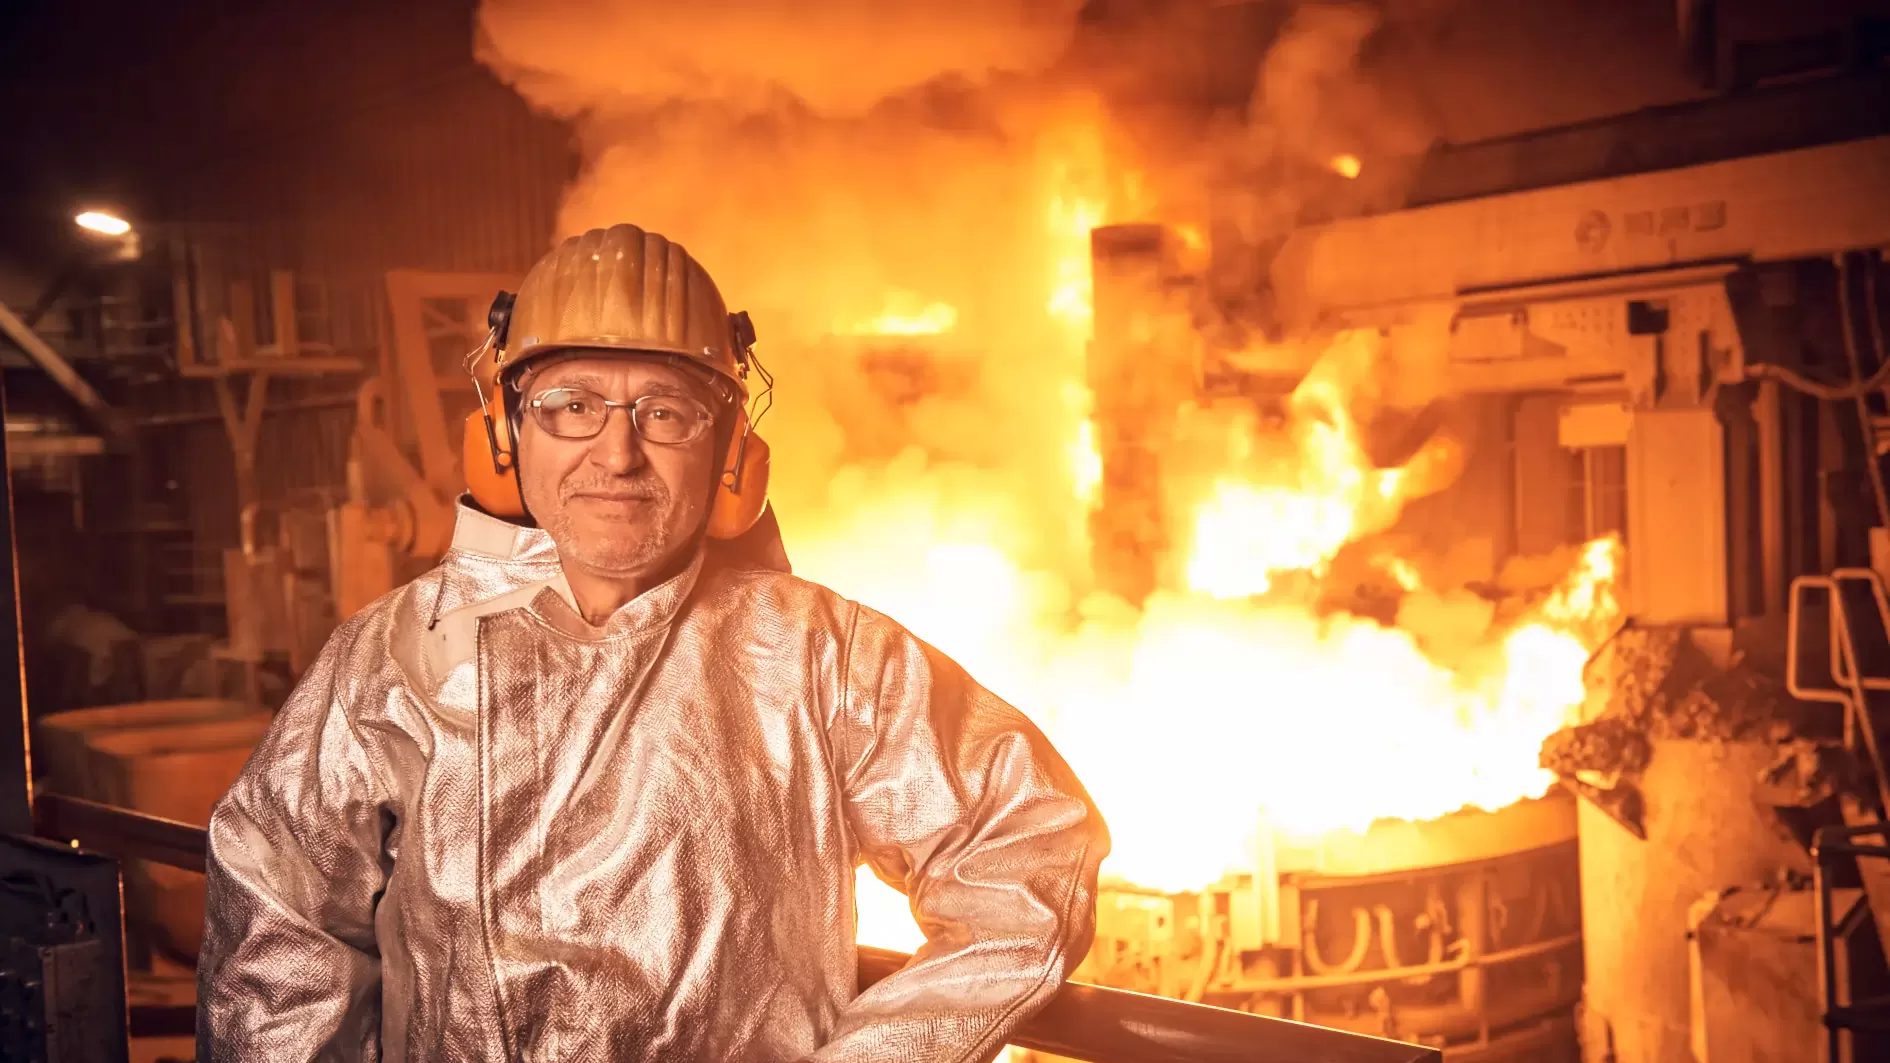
(16, 775)
(1807, 203)
(63, 374)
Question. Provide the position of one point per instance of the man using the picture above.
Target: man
(595, 788)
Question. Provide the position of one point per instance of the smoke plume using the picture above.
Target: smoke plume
(903, 195)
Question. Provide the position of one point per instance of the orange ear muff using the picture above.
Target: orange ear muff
(741, 492)
(487, 453)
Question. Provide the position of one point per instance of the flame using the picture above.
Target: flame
(1071, 220)
(1242, 700)
(904, 316)
(1403, 572)
(1232, 708)
(1314, 493)
(1238, 702)
(1221, 714)
(1086, 465)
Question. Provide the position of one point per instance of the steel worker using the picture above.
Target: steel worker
(596, 786)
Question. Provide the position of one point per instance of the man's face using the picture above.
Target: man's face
(616, 504)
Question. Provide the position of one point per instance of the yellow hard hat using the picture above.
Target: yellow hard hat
(616, 289)
(621, 289)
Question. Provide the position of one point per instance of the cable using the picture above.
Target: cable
(1817, 389)
(1873, 459)
(1856, 389)
(765, 401)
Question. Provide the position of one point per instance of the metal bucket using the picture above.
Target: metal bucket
(173, 759)
(59, 740)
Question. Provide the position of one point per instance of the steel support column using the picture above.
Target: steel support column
(16, 806)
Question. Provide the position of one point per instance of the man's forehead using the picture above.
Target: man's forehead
(595, 369)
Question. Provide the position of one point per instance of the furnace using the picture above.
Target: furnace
(1683, 361)
(1463, 932)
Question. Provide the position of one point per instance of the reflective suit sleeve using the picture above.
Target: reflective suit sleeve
(959, 800)
(289, 970)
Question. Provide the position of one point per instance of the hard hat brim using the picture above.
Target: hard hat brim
(619, 346)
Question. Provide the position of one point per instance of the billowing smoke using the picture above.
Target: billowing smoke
(840, 167)
(834, 57)
(902, 195)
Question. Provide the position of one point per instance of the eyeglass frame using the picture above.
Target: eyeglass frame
(704, 416)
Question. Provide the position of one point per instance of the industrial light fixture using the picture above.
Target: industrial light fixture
(103, 223)
(110, 237)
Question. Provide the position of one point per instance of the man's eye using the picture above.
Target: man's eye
(661, 411)
(576, 403)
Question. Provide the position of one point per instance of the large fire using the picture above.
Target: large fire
(912, 234)
(1228, 709)
(1236, 703)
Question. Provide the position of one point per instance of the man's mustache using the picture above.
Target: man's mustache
(643, 489)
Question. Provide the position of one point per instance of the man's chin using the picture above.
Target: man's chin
(619, 555)
(628, 561)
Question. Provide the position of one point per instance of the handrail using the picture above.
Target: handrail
(1082, 1021)
(119, 831)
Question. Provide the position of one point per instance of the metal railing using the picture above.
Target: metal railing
(1869, 1014)
(1085, 1022)
(1850, 612)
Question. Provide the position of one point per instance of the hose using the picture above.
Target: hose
(1856, 389)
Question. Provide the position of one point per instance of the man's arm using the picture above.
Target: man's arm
(955, 797)
(289, 969)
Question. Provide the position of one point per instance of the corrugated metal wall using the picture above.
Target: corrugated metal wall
(427, 163)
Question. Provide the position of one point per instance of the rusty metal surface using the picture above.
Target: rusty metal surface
(1706, 829)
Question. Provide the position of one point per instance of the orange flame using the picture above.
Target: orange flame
(1230, 707)
(1086, 463)
(904, 316)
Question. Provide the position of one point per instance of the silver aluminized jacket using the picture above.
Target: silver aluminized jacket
(483, 830)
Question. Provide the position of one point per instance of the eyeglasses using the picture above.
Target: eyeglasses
(579, 413)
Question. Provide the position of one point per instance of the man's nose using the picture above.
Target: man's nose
(618, 449)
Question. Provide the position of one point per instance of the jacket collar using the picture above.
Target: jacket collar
(479, 534)
(656, 607)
